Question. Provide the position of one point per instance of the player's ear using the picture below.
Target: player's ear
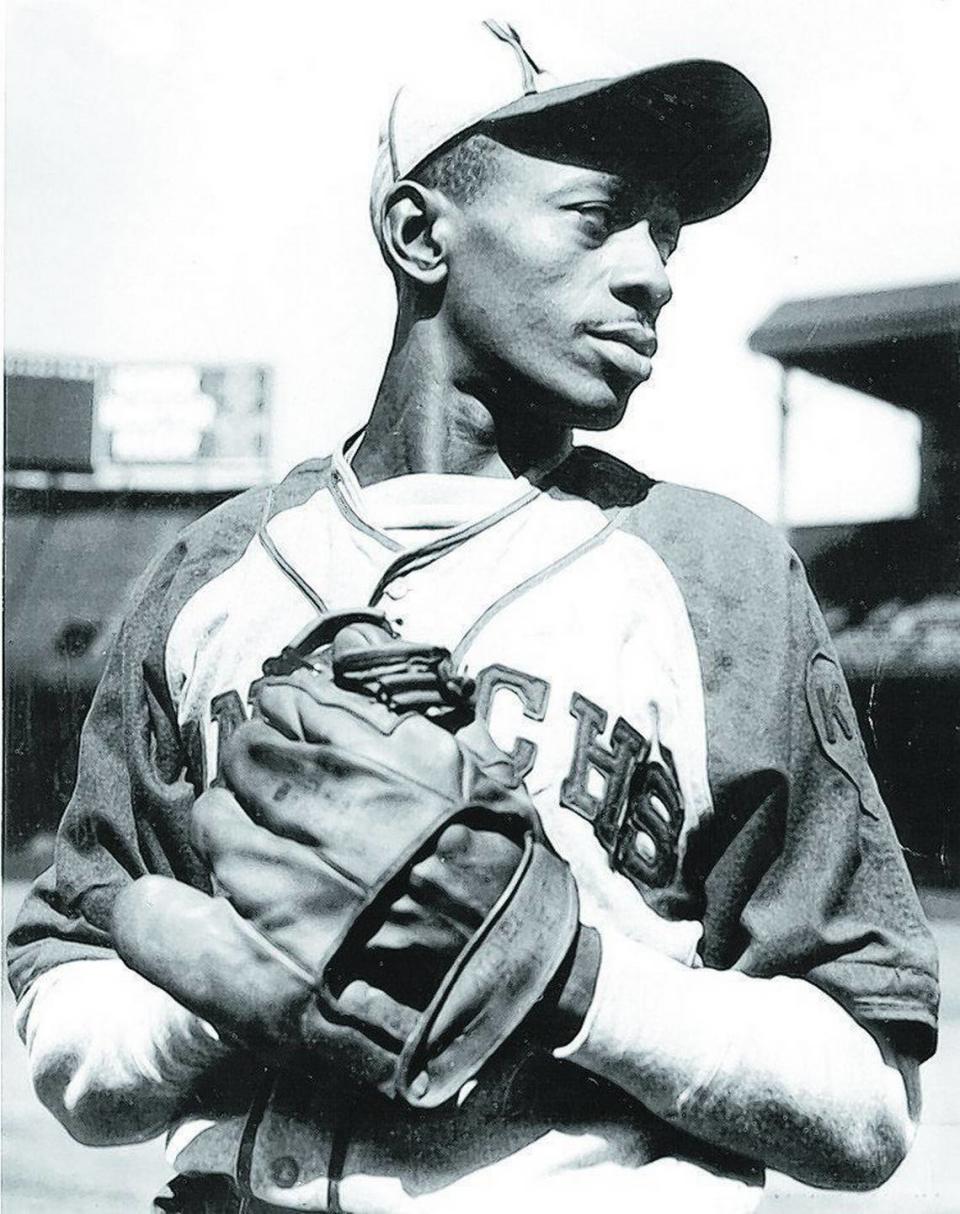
(415, 232)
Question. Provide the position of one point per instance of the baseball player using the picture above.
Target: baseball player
(471, 822)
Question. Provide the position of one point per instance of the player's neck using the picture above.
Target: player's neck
(429, 417)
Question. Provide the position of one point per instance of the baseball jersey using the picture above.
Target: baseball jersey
(652, 659)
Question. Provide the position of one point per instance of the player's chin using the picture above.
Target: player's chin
(599, 404)
(584, 395)
(602, 418)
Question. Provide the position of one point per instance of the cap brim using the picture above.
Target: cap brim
(699, 129)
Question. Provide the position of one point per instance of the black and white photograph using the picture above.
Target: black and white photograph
(481, 607)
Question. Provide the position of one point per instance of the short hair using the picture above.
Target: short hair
(463, 171)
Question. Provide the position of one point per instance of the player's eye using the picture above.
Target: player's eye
(595, 220)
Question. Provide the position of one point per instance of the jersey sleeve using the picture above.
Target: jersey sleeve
(807, 877)
(128, 813)
(138, 772)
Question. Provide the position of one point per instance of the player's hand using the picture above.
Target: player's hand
(447, 897)
(330, 910)
(449, 894)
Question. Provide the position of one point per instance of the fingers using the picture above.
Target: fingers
(411, 925)
(360, 636)
(362, 1033)
(348, 769)
(479, 850)
(198, 950)
(374, 1007)
(256, 868)
(411, 952)
(466, 874)
(456, 843)
(448, 896)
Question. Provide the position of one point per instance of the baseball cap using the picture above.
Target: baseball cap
(697, 127)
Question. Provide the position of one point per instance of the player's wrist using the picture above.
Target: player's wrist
(189, 1046)
(562, 1011)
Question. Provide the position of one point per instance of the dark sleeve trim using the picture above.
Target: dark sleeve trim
(885, 994)
(28, 967)
(923, 1042)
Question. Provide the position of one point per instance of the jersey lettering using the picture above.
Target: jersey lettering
(639, 816)
(833, 717)
(646, 844)
(533, 694)
(614, 764)
(830, 702)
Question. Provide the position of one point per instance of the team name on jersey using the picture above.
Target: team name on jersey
(638, 816)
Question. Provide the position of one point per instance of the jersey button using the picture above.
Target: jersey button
(285, 1172)
(397, 589)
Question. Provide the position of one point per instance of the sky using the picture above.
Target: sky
(188, 181)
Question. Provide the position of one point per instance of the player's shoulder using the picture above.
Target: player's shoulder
(232, 524)
(685, 524)
(218, 538)
(736, 574)
(709, 528)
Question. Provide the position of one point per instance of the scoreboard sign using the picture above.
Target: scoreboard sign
(111, 420)
(49, 415)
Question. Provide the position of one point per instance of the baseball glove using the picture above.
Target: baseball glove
(385, 898)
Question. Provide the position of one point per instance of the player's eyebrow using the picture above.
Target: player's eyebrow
(589, 179)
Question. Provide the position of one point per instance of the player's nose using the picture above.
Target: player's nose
(639, 277)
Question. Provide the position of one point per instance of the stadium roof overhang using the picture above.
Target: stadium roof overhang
(902, 346)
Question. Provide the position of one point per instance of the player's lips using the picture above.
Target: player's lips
(629, 346)
(638, 337)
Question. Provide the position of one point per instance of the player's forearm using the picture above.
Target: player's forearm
(112, 1057)
(769, 1068)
